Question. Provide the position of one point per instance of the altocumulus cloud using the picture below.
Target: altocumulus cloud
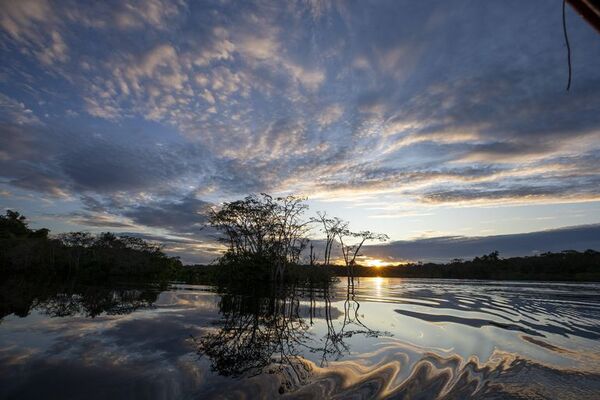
(143, 113)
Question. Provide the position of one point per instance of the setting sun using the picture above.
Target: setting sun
(377, 263)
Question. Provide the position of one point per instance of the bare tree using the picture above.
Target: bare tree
(331, 227)
(351, 251)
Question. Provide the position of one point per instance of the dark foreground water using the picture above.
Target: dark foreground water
(388, 338)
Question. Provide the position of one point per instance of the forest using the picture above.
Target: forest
(263, 238)
(27, 251)
(568, 265)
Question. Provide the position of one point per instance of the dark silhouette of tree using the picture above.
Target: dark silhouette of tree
(23, 250)
(79, 244)
(262, 232)
(336, 229)
(565, 265)
(331, 227)
(14, 225)
(351, 251)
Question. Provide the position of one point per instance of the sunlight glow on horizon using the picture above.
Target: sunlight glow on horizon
(377, 263)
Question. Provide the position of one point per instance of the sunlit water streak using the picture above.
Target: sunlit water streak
(388, 338)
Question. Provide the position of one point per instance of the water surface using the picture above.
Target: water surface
(384, 338)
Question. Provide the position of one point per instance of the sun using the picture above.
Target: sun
(375, 262)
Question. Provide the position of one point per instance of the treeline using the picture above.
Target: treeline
(265, 236)
(24, 250)
(567, 265)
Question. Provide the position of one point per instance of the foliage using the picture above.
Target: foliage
(566, 265)
(351, 251)
(23, 250)
(263, 234)
(14, 225)
(350, 242)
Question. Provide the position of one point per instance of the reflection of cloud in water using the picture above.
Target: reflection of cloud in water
(198, 300)
(148, 353)
(403, 372)
(472, 322)
(143, 357)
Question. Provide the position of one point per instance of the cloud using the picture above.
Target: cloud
(137, 104)
(20, 19)
(57, 51)
(156, 13)
(330, 115)
(446, 248)
(580, 188)
(190, 249)
(261, 48)
(99, 220)
(14, 112)
(188, 215)
(160, 64)
(104, 166)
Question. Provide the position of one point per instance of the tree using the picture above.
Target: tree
(139, 244)
(331, 227)
(13, 224)
(78, 244)
(76, 239)
(109, 240)
(262, 231)
(351, 251)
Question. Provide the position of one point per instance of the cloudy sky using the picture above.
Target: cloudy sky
(417, 119)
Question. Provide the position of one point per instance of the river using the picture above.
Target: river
(380, 338)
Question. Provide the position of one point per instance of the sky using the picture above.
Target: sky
(428, 121)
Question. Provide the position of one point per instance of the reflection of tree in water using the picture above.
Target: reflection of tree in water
(256, 332)
(20, 297)
(269, 333)
(335, 345)
(98, 300)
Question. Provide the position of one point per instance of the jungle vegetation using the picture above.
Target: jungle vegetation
(28, 251)
(266, 239)
(568, 265)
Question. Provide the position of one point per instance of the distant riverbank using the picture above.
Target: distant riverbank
(564, 266)
(24, 251)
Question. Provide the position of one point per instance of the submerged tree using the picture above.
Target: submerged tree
(336, 229)
(262, 231)
(351, 251)
(332, 228)
(264, 235)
